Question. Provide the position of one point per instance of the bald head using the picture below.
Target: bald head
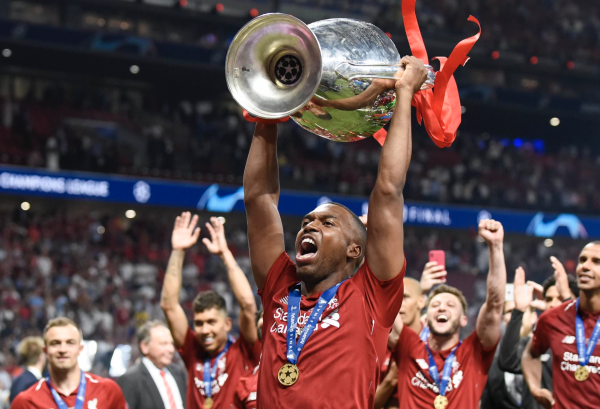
(412, 304)
(413, 286)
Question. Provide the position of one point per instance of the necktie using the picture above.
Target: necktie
(172, 404)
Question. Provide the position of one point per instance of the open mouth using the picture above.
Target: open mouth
(442, 318)
(308, 249)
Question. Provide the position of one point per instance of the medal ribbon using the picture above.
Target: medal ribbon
(210, 374)
(424, 335)
(293, 349)
(440, 108)
(433, 370)
(80, 394)
(583, 352)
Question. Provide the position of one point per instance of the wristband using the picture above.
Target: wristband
(254, 119)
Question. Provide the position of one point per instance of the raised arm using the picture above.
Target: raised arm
(185, 235)
(385, 235)
(240, 285)
(490, 315)
(261, 197)
(531, 366)
(509, 356)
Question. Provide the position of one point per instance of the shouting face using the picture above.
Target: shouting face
(445, 315)
(588, 267)
(328, 240)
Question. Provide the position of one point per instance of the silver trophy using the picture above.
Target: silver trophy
(329, 76)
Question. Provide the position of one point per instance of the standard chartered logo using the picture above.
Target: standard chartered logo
(53, 184)
(141, 191)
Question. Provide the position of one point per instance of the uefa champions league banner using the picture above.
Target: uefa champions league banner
(224, 199)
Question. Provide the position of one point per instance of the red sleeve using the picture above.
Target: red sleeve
(408, 341)
(251, 352)
(384, 298)
(281, 274)
(115, 394)
(485, 356)
(540, 342)
(20, 402)
(190, 348)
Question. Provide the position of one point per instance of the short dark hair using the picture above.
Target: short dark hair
(145, 331)
(573, 286)
(359, 227)
(209, 299)
(441, 289)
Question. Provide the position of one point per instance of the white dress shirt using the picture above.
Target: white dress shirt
(158, 380)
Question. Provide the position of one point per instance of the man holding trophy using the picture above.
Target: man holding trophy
(327, 317)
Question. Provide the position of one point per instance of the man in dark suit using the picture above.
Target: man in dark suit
(31, 355)
(155, 382)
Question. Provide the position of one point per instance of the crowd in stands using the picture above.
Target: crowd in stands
(105, 271)
(208, 142)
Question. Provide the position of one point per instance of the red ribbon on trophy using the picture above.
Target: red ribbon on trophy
(439, 109)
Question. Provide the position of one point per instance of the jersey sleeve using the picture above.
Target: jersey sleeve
(189, 350)
(115, 393)
(383, 297)
(485, 355)
(540, 341)
(407, 341)
(281, 274)
(20, 402)
(250, 352)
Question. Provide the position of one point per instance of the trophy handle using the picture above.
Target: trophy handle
(351, 70)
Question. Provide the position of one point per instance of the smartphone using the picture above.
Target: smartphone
(439, 256)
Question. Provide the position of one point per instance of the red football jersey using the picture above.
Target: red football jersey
(241, 358)
(245, 394)
(556, 330)
(339, 365)
(100, 393)
(417, 389)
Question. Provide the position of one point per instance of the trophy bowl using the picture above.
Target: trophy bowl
(334, 77)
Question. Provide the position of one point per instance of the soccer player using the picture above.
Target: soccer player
(445, 372)
(68, 386)
(214, 361)
(410, 315)
(328, 316)
(571, 331)
(247, 390)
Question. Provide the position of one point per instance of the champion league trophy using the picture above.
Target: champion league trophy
(328, 75)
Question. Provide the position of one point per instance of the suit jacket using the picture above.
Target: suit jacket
(22, 383)
(140, 390)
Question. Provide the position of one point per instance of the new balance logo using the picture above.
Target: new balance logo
(422, 364)
(569, 339)
(284, 300)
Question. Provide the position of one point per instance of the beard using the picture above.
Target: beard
(454, 327)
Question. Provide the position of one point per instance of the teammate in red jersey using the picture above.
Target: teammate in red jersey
(328, 316)
(410, 315)
(214, 361)
(68, 387)
(572, 332)
(247, 389)
(445, 372)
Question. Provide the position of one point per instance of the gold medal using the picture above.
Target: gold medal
(208, 402)
(288, 374)
(582, 373)
(440, 402)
